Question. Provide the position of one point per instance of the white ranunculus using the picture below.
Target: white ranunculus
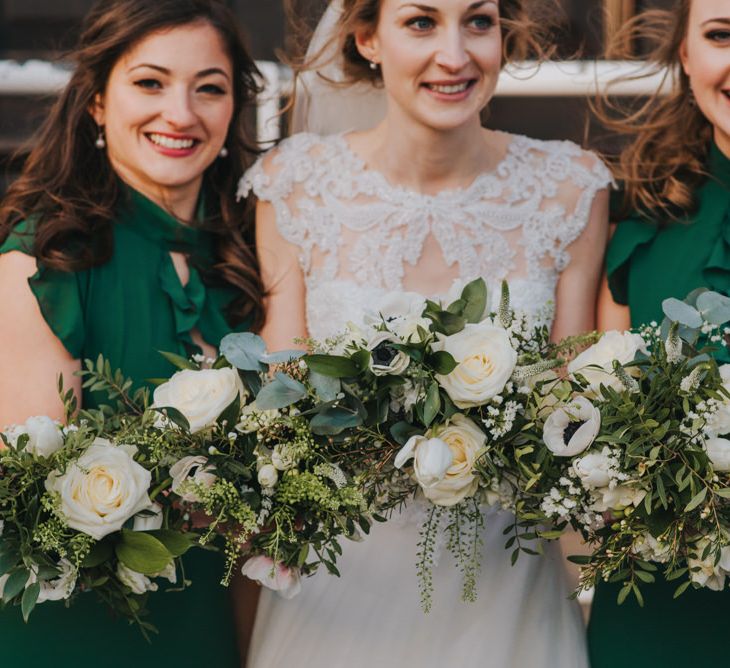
(432, 458)
(596, 362)
(719, 422)
(402, 311)
(286, 581)
(593, 470)
(189, 471)
(650, 549)
(572, 428)
(61, 587)
(718, 450)
(384, 359)
(102, 489)
(710, 574)
(466, 442)
(268, 475)
(486, 360)
(617, 498)
(147, 522)
(283, 457)
(44, 436)
(201, 396)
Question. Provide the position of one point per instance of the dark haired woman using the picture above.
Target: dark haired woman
(122, 237)
(421, 201)
(676, 177)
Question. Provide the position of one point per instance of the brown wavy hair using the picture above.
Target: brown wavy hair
(69, 186)
(526, 27)
(668, 138)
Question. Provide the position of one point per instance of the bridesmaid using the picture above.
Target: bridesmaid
(676, 178)
(123, 237)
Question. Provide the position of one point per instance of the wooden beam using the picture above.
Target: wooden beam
(616, 13)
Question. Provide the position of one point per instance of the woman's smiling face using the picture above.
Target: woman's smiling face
(705, 55)
(440, 59)
(166, 110)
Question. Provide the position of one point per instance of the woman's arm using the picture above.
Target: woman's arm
(610, 314)
(283, 283)
(31, 355)
(577, 290)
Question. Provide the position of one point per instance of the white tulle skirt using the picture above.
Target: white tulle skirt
(371, 616)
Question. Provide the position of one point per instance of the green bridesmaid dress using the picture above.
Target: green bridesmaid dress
(648, 262)
(127, 310)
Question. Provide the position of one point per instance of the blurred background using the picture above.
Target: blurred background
(41, 30)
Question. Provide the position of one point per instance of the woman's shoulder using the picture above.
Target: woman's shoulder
(559, 159)
(296, 159)
(20, 237)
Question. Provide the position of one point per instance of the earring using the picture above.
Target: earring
(373, 65)
(223, 152)
(100, 142)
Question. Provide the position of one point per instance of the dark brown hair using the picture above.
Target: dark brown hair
(663, 161)
(526, 26)
(69, 186)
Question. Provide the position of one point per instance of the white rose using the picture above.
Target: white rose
(432, 458)
(285, 581)
(719, 422)
(466, 442)
(58, 589)
(593, 470)
(268, 475)
(147, 522)
(596, 362)
(718, 450)
(385, 359)
(572, 428)
(486, 360)
(189, 471)
(102, 489)
(617, 498)
(201, 396)
(44, 436)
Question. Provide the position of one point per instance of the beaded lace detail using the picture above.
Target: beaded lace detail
(360, 236)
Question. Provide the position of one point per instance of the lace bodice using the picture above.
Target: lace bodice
(359, 236)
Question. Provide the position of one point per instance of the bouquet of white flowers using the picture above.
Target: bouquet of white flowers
(629, 449)
(439, 388)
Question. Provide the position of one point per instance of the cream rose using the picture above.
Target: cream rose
(486, 360)
(286, 581)
(595, 364)
(44, 435)
(384, 359)
(268, 476)
(190, 471)
(572, 428)
(466, 443)
(718, 450)
(432, 458)
(102, 489)
(201, 396)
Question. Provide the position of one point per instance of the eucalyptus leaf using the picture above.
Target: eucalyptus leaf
(244, 350)
(142, 552)
(326, 387)
(402, 431)
(714, 307)
(280, 392)
(682, 313)
(334, 421)
(282, 357)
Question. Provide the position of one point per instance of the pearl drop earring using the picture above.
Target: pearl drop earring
(100, 142)
(223, 152)
(373, 65)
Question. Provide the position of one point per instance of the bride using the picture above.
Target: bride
(425, 199)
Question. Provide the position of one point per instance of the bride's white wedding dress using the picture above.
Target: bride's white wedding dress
(360, 237)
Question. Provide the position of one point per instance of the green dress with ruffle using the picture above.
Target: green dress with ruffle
(127, 310)
(648, 262)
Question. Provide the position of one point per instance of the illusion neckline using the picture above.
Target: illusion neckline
(459, 191)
